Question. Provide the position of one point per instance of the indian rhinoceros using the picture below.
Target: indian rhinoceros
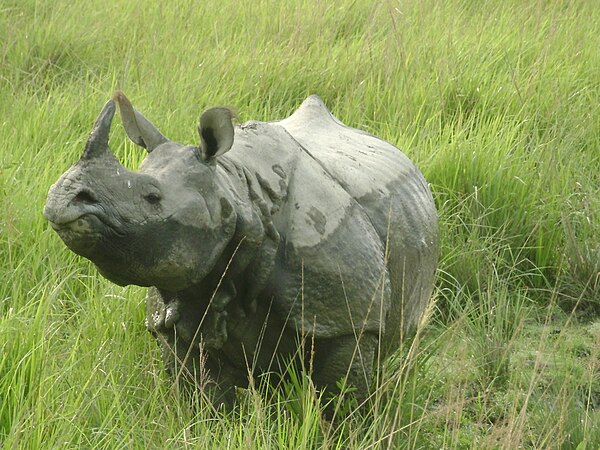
(301, 239)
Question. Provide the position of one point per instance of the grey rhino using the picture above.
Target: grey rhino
(301, 239)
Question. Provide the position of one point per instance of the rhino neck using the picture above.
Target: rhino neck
(259, 166)
(246, 263)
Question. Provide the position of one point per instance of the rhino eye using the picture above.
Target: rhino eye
(152, 198)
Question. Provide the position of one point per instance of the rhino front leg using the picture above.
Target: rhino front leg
(168, 311)
(193, 367)
(351, 355)
(155, 311)
(225, 378)
(163, 310)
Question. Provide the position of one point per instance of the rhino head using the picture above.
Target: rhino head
(162, 226)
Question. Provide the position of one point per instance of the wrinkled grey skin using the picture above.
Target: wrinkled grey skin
(302, 238)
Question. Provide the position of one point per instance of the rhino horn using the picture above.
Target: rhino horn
(97, 143)
(139, 129)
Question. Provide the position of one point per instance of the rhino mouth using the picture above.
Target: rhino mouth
(81, 225)
(89, 221)
(82, 234)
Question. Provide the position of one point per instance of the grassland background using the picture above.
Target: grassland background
(498, 104)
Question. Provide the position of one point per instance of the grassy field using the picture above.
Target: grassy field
(498, 104)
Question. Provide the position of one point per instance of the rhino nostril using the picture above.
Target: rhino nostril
(85, 197)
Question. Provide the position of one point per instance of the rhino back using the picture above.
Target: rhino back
(393, 194)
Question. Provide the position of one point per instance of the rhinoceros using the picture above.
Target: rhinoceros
(299, 239)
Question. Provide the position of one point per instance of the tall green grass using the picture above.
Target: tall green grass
(497, 103)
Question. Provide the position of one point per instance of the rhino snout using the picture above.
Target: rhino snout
(64, 208)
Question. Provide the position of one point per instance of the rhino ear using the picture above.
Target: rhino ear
(139, 129)
(216, 132)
